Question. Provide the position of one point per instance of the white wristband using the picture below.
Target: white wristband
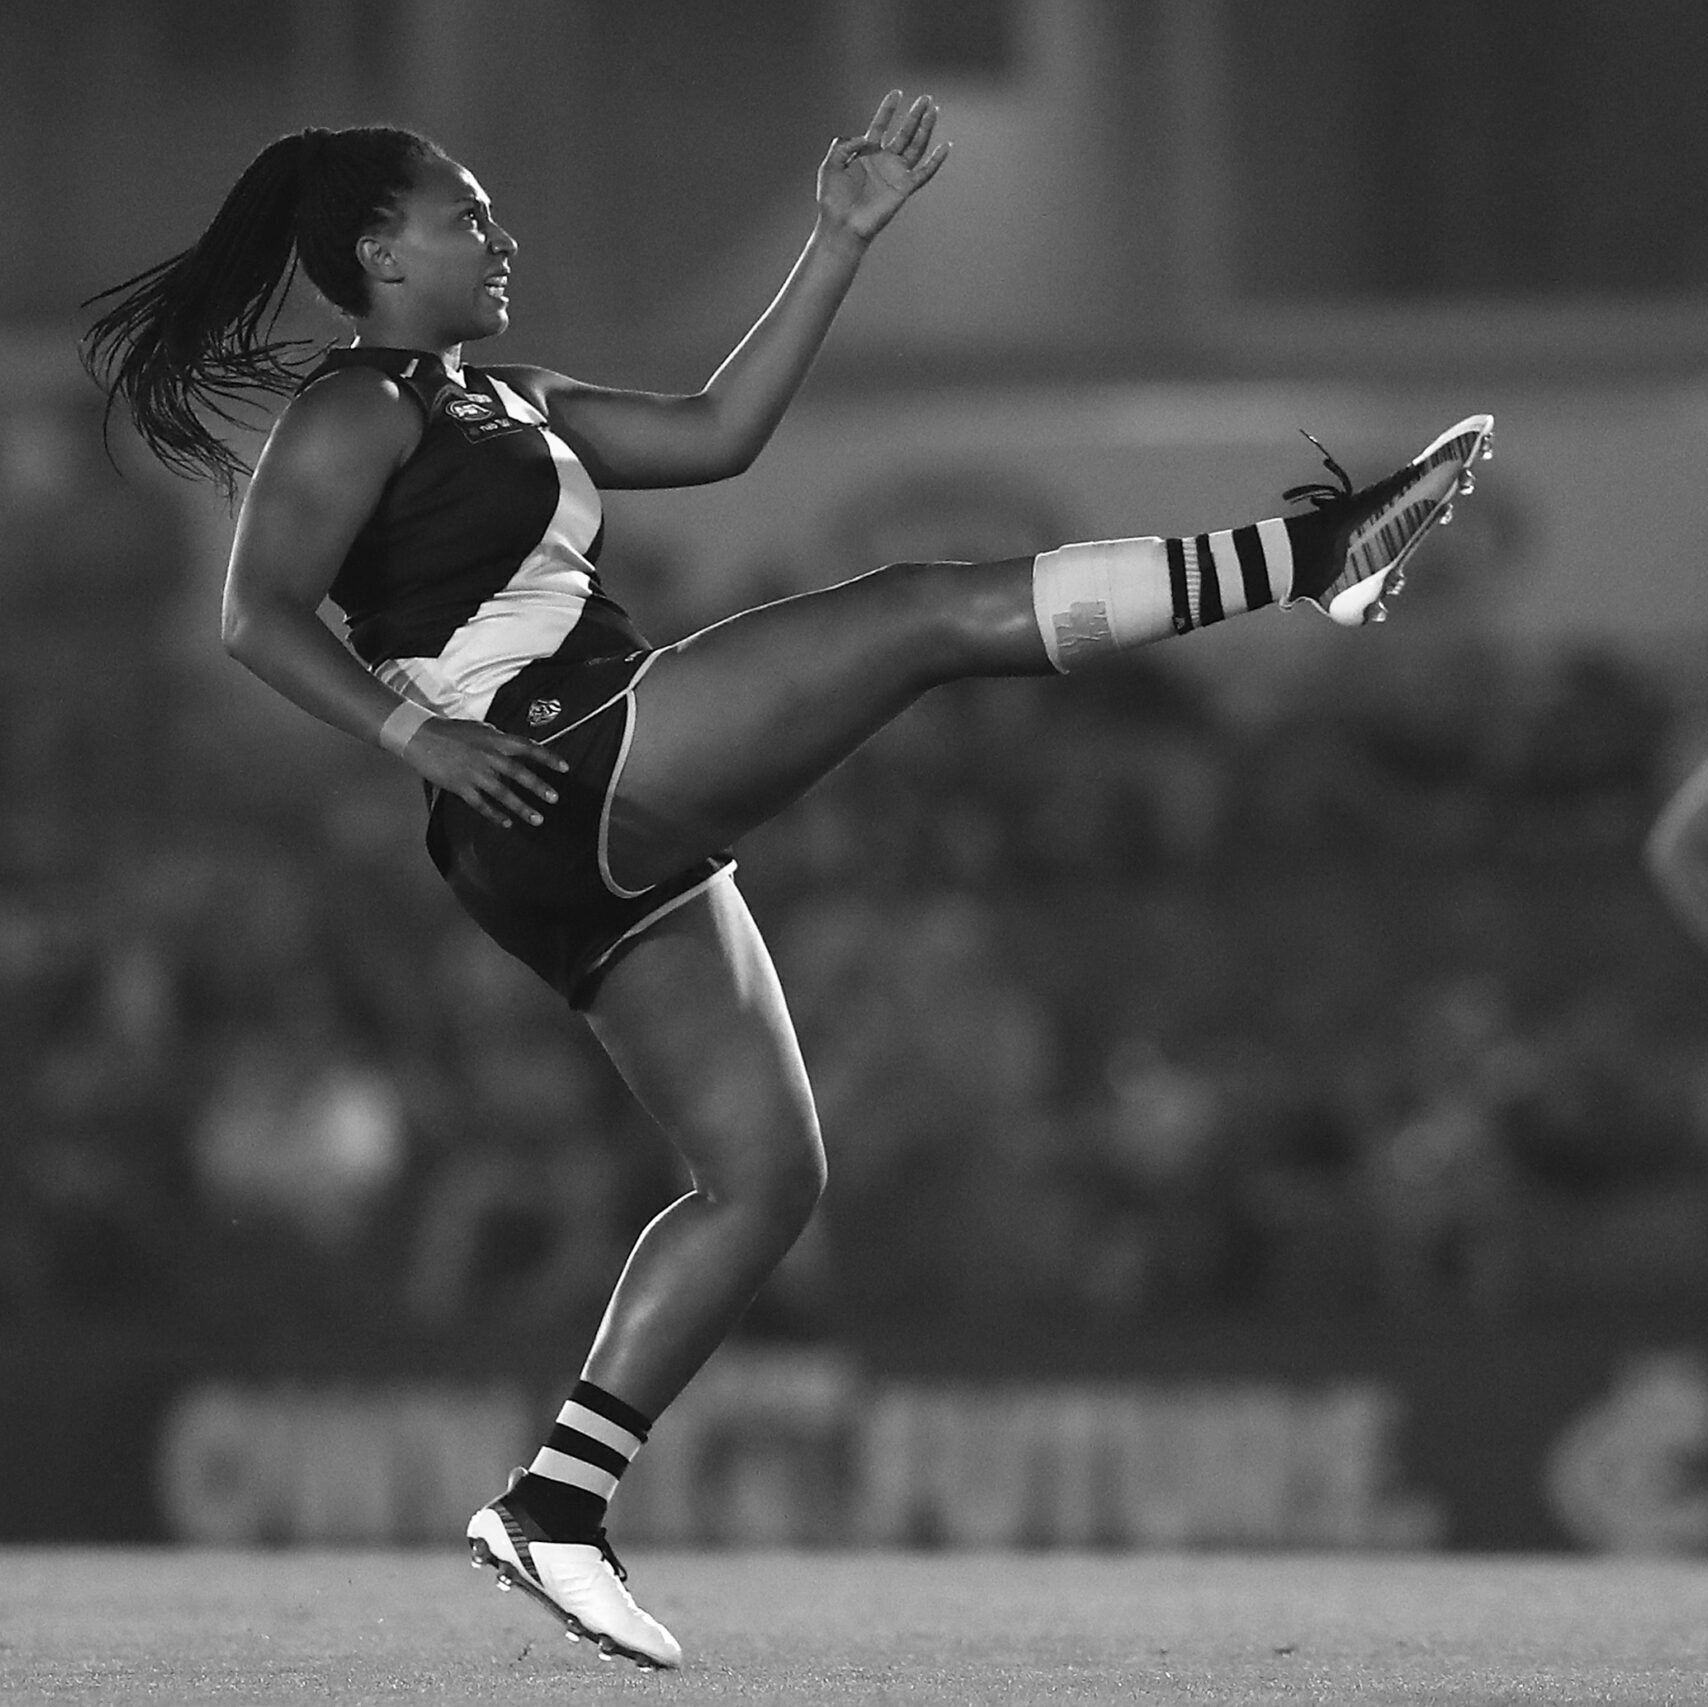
(396, 731)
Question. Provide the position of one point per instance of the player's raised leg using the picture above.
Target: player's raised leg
(739, 719)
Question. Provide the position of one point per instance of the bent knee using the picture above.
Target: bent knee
(795, 1182)
(927, 587)
(781, 1184)
(947, 610)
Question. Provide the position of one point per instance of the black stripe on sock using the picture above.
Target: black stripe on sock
(1177, 584)
(572, 1443)
(1209, 587)
(612, 1409)
(559, 1511)
(1253, 567)
(1314, 564)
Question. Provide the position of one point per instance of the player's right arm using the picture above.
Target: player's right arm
(1677, 854)
(318, 480)
(641, 438)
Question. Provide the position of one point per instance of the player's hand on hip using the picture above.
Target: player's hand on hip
(865, 179)
(500, 775)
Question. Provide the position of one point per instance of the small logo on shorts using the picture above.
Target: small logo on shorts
(543, 711)
(467, 409)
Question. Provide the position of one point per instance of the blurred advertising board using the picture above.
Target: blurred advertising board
(1568, 1440)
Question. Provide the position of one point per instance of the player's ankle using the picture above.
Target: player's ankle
(558, 1511)
(565, 1490)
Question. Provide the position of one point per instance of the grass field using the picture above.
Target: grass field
(811, 1628)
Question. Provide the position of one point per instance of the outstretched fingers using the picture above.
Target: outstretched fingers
(880, 124)
(926, 170)
(913, 134)
(864, 179)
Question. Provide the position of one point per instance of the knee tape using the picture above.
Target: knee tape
(1097, 599)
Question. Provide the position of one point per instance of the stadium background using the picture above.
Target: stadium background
(1266, 1100)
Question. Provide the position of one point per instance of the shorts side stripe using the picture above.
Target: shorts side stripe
(611, 790)
(658, 913)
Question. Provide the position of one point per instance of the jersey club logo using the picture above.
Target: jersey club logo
(478, 419)
(544, 711)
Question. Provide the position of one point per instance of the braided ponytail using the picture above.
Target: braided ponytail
(192, 336)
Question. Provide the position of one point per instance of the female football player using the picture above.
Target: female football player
(584, 787)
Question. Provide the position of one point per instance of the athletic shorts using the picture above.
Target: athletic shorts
(544, 892)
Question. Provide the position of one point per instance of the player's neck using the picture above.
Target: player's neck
(377, 336)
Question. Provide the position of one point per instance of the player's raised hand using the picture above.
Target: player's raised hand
(865, 179)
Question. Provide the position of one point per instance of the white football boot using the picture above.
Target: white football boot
(1384, 524)
(579, 1584)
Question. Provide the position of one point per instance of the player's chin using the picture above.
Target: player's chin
(492, 317)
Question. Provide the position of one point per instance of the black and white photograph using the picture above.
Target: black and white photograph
(854, 852)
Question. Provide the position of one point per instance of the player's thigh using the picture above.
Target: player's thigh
(777, 695)
(693, 1015)
(738, 720)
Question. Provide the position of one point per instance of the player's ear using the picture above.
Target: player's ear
(374, 255)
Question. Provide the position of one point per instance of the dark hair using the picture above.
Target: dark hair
(192, 335)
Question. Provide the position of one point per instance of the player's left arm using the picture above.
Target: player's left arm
(1677, 854)
(638, 438)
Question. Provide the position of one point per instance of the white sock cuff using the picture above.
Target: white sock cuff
(596, 1427)
(577, 1472)
(1101, 597)
(1277, 557)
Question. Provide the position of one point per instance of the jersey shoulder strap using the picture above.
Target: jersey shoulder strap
(422, 376)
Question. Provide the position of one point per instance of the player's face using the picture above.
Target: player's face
(452, 257)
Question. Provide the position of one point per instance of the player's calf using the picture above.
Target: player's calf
(1348, 553)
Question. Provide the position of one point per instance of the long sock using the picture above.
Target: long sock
(1109, 595)
(573, 1476)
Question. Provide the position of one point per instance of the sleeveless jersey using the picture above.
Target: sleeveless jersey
(479, 557)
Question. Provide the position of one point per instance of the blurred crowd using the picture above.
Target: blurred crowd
(1120, 1008)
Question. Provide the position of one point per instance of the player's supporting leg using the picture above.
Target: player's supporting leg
(694, 1018)
(739, 719)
